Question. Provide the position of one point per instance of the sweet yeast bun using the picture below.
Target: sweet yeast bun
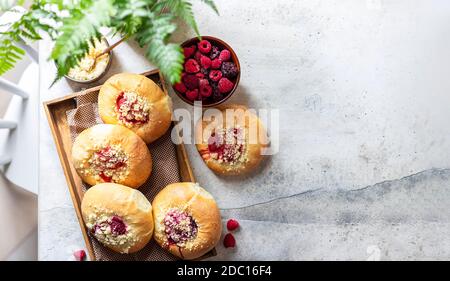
(232, 145)
(111, 153)
(187, 220)
(136, 102)
(118, 216)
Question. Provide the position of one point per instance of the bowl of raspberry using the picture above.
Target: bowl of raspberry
(211, 71)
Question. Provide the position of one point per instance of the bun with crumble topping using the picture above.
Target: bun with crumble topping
(187, 220)
(231, 145)
(136, 102)
(111, 153)
(119, 217)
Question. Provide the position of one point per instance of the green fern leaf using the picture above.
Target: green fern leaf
(167, 56)
(212, 5)
(182, 9)
(80, 27)
(9, 55)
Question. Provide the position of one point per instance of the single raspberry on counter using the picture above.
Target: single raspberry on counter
(180, 87)
(190, 81)
(189, 51)
(215, 52)
(215, 75)
(229, 241)
(191, 66)
(225, 85)
(232, 224)
(216, 63)
(205, 88)
(192, 95)
(205, 62)
(229, 70)
(204, 46)
(79, 255)
(225, 55)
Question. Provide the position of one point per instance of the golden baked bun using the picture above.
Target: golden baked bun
(234, 146)
(187, 220)
(119, 217)
(136, 102)
(111, 153)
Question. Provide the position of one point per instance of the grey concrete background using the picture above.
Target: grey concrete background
(363, 168)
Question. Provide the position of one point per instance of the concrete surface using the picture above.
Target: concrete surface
(363, 169)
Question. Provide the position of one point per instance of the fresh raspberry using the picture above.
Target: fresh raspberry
(232, 224)
(200, 75)
(191, 66)
(198, 55)
(215, 75)
(229, 70)
(216, 95)
(189, 51)
(192, 95)
(205, 62)
(229, 241)
(204, 46)
(190, 81)
(205, 88)
(225, 85)
(180, 87)
(215, 52)
(216, 63)
(79, 255)
(225, 55)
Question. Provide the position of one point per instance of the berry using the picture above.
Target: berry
(216, 63)
(232, 224)
(216, 96)
(79, 255)
(191, 66)
(192, 95)
(190, 81)
(225, 55)
(189, 51)
(225, 85)
(200, 75)
(180, 87)
(229, 241)
(215, 52)
(205, 88)
(198, 55)
(204, 46)
(215, 75)
(205, 62)
(229, 70)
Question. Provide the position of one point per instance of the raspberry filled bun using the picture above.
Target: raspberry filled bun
(187, 220)
(111, 153)
(119, 217)
(136, 102)
(234, 145)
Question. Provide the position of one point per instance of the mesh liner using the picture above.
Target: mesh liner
(165, 171)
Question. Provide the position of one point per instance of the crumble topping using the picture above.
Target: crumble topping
(132, 109)
(111, 230)
(180, 227)
(107, 164)
(227, 145)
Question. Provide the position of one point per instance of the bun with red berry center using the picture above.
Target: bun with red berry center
(233, 144)
(119, 217)
(136, 102)
(111, 153)
(187, 220)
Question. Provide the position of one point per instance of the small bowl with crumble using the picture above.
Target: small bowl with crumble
(211, 71)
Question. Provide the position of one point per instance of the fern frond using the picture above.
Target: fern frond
(130, 16)
(167, 56)
(212, 5)
(181, 9)
(78, 29)
(9, 55)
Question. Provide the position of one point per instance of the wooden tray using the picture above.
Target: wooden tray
(56, 114)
